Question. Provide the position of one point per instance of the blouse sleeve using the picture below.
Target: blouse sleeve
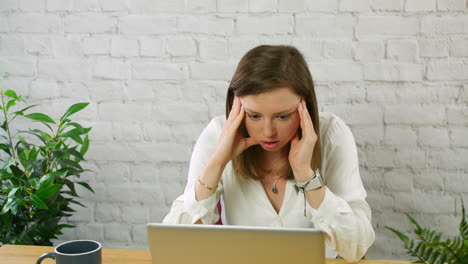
(186, 209)
(344, 213)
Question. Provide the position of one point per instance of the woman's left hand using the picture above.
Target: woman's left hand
(300, 154)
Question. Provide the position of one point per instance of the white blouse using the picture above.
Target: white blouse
(344, 213)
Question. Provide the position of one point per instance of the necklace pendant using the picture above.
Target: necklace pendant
(274, 190)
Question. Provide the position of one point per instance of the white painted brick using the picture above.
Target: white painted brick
(18, 66)
(336, 71)
(181, 46)
(368, 51)
(211, 71)
(87, 5)
(152, 47)
(115, 173)
(127, 131)
(9, 5)
(105, 68)
(238, 46)
(459, 48)
(442, 25)
(388, 71)
(187, 133)
(413, 114)
(372, 178)
(379, 202)
(157, 71)
(43, 89)
(458, 136)
(445, 94)
(340, 26)
(433, 48)
(398, 180)
(117, 232)
(144, 173)
(323, 5)
(455, 182)
(96, 45)
(201, 6)
(277, 24)
(11, 46)
(451, 5)
(382, 93)
(74, 90)
(140, 235)
(102, 91)
(67, 47)
(162, 152)
(213, 49)
(346, 93)
(310, 48)
(285, 6)
(363, 114)
(263, 6)
(164, 112)
(420, 5)
(59, 5)
(147, 25)
(150, 6)
(233, 6)
(102, 131)
(114, 5)
(124, 47)
(124, 112)
(93, 231)
(379, 158)
(385, 5)
(387, 25)
(90, 23)
(410, 158)
(400, 136)
(4, 24)
(35, 23)
(448, 159)
(447, 70)
(64, 69)
(157, 132)
(140, 90)
(434, 137)
(341, 50)
(372, 135)
(413, 94)
(166, 92)
(402, 50)
(354, 6)
(32, 5)
(429, 180)
(419, 202)
(457, 115)
(135, 215)
(206, 25)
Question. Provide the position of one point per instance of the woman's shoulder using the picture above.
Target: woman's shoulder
(332, 126)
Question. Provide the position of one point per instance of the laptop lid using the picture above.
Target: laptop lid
(210, 244)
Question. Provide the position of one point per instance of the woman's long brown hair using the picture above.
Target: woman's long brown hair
(263, 69)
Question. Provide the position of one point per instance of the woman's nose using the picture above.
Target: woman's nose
(269, 130)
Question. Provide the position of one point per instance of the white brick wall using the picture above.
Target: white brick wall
(156, 72)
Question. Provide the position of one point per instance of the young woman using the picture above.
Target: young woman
(276, 161)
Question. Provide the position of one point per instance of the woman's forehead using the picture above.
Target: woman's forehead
(275, 101)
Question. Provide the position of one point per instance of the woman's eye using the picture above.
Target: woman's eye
(283, 117)
(253, 116)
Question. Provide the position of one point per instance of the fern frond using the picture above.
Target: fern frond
(463, 223)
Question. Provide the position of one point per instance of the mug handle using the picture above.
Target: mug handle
(44, 256)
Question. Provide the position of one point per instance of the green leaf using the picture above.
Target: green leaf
(48, 191)
(21, 112)
(38, 203)
(70, 163)
(85, 146)
(11, 94)
(40, 118)
(73, 109)
(76, 132)
(86, 185)
(72, 152)
(402, 236)
(10, 103)
(34, 183)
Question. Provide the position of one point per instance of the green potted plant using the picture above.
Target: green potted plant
(430, 247)
(38, 177)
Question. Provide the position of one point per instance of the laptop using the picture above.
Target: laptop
(215, 244)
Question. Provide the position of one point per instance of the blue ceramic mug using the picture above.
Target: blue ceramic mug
(75, 252)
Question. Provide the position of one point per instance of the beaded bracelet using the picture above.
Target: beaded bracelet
(206, 186)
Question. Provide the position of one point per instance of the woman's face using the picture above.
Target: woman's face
(272, 117)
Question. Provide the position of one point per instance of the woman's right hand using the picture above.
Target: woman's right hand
(231, 143)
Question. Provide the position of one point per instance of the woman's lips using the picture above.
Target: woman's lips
(269, 144)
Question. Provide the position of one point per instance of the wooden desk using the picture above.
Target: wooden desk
(28, 255)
